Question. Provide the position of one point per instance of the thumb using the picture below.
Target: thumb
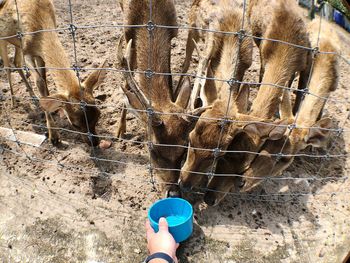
(163, 224)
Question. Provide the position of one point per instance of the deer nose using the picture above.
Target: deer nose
(210, 199)
(185, 187)
(173, 192)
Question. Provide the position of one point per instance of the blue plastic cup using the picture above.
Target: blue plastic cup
(178, 213)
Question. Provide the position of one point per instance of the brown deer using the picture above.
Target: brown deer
(4, 54)
(280, 62)
(44, 50)
(167, 122)
(208, 130)
(206, 17)
(309, 129)
(272, 21)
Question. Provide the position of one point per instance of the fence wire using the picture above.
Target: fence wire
(73, 28)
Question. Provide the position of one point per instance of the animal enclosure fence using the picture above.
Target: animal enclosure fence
(20, 149)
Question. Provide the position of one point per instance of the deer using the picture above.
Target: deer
(4, 54)
(287, 26)
(206, 17)
(43, 50)
(280, 62)
(310, 127)
(210, 128)
(168, 117)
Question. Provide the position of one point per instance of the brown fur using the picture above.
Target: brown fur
(280, 20)
(4, 54)
(323, 81)
(171, 129)
(274, 19)
(44, 49)
(223, 50)
(218, 15)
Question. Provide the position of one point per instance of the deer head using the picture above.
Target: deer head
(79, 106)
(310, 129)
(170, 122)
(210, 130)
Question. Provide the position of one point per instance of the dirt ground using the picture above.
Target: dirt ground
(69, 213)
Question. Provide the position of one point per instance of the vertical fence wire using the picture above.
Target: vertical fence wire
(232, 83)
(306, 91)
(149, 75)
(83, 103)
(150, 111)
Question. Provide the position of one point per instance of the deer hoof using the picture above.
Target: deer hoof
(121, 133)
(55, 141)
(54, 138)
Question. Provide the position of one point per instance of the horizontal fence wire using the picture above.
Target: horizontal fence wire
(74, 28)
(245, 196)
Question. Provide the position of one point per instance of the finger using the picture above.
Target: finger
(175, 260)
(163, 225)
(149, 230)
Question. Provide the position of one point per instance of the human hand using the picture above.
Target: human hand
(162, 241)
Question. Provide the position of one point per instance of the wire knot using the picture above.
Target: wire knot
(315, 52)
(223, 122)
(150, 26)
(216, 152)
(72, 29)
(149, 73)
(241, 34)
(292, 126)
(150, 112)
(150, 145)
(19, 35)
(77, 70)
(279, 156)
(232, 82)
(83, 105)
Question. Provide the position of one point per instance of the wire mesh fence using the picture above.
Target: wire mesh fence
(334, 152)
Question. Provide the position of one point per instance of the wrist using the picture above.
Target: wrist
(159, 257)
(158, 260)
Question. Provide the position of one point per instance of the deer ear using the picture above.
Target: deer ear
(54, 102)
(278, 130)
(194, 115)
(271, 131)
(95, 78)
(242, 99)
(317, 136)
(184, 94)
(209, 93)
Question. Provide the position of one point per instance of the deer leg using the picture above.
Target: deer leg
(39, 75)
(262, 68)
(18, 64)
(5, 58)
(303, 81)
(122, 123)
(202, 69)
(192, 35)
